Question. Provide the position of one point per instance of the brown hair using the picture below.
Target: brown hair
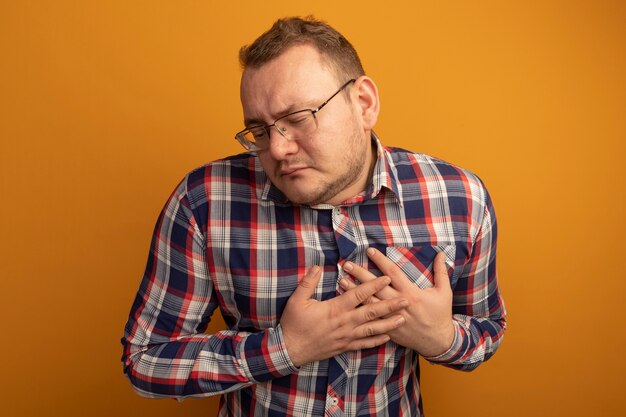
(287, 32)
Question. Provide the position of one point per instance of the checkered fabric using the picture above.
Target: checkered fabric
(228, 239)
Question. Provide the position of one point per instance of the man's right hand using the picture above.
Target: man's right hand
(317, 330)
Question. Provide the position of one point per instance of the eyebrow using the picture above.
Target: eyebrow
(253, 122)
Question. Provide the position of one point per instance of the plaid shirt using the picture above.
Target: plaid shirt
(228, 238)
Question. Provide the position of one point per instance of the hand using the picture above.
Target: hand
(429, 328)
(317, 330)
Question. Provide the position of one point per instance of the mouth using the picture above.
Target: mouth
(291, 171)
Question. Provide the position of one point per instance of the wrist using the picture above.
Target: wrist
(289, 349)
(292, 349)
(442, 344)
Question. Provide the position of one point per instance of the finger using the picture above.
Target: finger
(389, 268)
(369, 342)
(363, 275)
(361, 293)
(307, 285)
(378, 327)
(441, 271)
(374, 311)
(347, 284)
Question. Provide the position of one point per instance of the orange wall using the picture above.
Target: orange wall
(104, 106)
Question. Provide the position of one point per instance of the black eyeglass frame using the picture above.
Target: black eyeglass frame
(251, 146)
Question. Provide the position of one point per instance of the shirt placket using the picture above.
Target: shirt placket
(334, 403)
(337, 383)
(338, 366)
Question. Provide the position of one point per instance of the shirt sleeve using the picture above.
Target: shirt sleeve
(478, 309)
(166, 352)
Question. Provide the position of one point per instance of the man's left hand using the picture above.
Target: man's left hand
(429, 328)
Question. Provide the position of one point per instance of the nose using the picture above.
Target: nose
(280, 147)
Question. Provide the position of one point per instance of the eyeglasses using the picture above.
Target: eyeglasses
(296, 125)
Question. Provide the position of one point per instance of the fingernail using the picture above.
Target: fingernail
(343, 283)
(400, 320)
(348, 266)
(371, 251)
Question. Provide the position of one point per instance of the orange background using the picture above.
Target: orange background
(104, 106)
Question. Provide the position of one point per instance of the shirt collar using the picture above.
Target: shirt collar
(384, 176)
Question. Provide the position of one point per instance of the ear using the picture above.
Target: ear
(368, 100)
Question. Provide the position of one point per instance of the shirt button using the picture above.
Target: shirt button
(334, 401)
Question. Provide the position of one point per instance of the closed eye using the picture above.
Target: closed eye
(259, 132)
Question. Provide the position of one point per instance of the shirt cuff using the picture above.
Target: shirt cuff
(263, 356)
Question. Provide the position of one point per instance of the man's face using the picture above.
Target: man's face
(332, 164)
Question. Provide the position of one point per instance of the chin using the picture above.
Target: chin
(300, 199)
(304, 198)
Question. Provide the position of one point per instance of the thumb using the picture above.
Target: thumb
(441, 271)
(307, 285)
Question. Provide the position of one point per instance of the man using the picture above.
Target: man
(335, 261)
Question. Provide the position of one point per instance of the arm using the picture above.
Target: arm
(166, 352)
(479, 315)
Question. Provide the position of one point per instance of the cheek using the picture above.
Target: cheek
(267, 162)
